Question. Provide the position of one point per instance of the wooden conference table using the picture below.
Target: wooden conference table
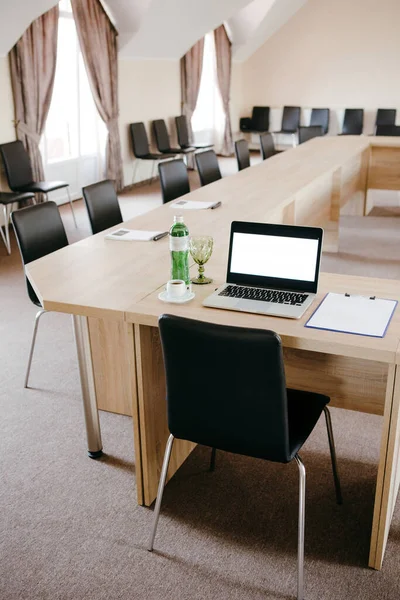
(111, 290)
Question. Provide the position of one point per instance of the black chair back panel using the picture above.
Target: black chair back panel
(174, 179)
(388, 130)
(161, 135)
(353, 121)
(385, 116)
(39, 231)
(320, 116)
(246, 415)
(291, 118)
(260, 118)
(307, 133)
(102, 205)
(17, 165)
(140, 142)
(242, 154)
(182, 131)
(207, 166)
(267, 145)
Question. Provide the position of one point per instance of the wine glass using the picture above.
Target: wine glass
(200, 247)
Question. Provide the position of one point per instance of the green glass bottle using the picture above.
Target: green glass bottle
(179, 246)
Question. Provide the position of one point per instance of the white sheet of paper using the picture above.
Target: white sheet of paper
(353, 314)
(132, 235)
(191, 204)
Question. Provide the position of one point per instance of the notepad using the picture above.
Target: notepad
(361, 315)
(193, 204)
(135, 235)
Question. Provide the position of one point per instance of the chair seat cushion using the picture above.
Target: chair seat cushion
(177, 151)
(44, 186)
(154, 156)
(10, 197)
(304, 410)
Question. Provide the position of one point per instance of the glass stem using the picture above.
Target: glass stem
(201, 272)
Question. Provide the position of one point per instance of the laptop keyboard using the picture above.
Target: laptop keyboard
(250, 293)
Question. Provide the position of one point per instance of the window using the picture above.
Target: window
(208, 121)
(74, 129)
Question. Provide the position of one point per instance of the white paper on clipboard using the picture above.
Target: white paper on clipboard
(361, 315)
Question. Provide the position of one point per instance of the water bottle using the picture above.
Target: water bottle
(179, 246)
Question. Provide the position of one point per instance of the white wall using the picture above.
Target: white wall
(336, 54)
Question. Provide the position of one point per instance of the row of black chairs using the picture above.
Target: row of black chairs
(353, 121)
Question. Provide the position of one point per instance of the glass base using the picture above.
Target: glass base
(201, 280)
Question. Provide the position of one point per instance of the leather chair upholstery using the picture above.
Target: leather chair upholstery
(242, 154)
(307, 133)
(267, 146)
(39, 231)
(182, 131)
(320, 116)
(140, 143)
(207, 166)
(353, 121)
(258, 122)
(385, 116)
(290, 119)
(388, 130)
(162, 139)
(102, 205)
(174, 179)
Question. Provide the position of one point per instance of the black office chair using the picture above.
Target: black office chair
(320, 116)
(19, 174)
(385, 117)
(162, 139)
(242, 154)
(290, 121)
(39, 231)
(174, 179)
(267, 146)
(258, 122)
(182, 132)
(307, 133)
(247, 410)
(102, 205)
(388, 130)
(207, 166)
(141, 149)
(353, 121)
(7, 199)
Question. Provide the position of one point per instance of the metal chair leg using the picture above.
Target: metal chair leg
(160, 491)
(338, 489)
(72, 208)
(212, 461)
(6, 233)
(38, 315)
(152, 171)
(135, 168)
(300, 542)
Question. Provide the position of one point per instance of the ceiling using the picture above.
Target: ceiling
(166, 29)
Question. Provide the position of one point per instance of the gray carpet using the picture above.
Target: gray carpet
(70, 527)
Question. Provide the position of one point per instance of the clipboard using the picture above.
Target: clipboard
(358, 315)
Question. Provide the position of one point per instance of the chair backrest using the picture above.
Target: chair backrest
(307, 133)
(140, 142)
(102, 205)
(182, 131)
(320, 116)
(388, 130)
(260, 118)
(244, 409)
(353, 121)
(242, 154)
(267, 145)
(174, 179)
(39, 231)
(385, 116)
(17, 165)
(290, 118)
(207, 166)
(161, 135)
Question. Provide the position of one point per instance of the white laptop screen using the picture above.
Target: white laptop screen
(273, 256)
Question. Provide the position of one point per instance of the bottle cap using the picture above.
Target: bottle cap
(178, 218)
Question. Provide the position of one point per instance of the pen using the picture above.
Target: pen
(216, 205)
(159, 236)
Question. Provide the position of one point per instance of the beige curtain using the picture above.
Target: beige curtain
(98, 41)
(223, 53)
(33, 67)
(191, 68)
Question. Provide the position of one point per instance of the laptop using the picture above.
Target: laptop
(272, 270)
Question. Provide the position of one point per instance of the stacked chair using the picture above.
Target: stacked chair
(141, 149)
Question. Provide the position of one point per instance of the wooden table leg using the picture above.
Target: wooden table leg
(387, 484)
